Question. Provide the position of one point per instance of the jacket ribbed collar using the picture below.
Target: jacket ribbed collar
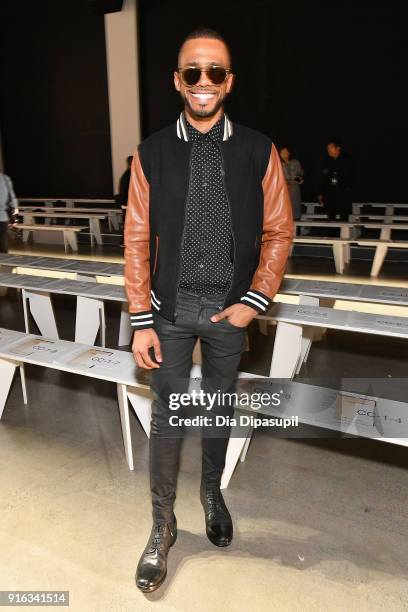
(182, 129)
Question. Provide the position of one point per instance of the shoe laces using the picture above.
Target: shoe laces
(214, 500)
(158, 536)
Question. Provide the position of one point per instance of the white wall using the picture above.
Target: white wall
(123, 84)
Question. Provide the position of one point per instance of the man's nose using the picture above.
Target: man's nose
(204, 79)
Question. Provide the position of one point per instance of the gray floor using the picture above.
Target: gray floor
(321, 523)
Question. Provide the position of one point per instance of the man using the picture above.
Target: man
(207, 235)
(335, 181)
(8, 208)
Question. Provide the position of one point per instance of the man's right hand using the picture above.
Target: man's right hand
(143, 340)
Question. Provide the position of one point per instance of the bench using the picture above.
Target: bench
(114, 214)
(340, 247)
(93, 220)
(119, 367)
(90, 310)
(84, 269)
(295, 325)
(69, 232)
(381, 249)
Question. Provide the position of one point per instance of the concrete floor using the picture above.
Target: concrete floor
(320, 523)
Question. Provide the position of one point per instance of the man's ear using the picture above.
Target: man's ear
(176, 80)
(231, 82)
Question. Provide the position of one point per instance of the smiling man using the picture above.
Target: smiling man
(207, 235)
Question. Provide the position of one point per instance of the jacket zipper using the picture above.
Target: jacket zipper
(232, 226)
(184, 229)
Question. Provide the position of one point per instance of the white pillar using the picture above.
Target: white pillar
(123, 85)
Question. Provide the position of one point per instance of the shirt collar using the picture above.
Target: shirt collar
(222, 130)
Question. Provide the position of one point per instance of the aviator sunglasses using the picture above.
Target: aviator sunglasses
(192, 74)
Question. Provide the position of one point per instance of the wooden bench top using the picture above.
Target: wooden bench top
(68, 214)
(51, 228)
(62, 264)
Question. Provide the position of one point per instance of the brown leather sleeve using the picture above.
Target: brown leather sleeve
(137, 232)
(278, 229)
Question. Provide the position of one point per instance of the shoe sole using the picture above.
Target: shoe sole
(156, 586)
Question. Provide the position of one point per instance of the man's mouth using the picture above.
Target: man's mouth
(202, 97)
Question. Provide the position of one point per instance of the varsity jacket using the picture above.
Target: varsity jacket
(260, 210)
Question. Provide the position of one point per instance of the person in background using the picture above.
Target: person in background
(8, 209)
(335, 181)
(293, 171)
(122, 197)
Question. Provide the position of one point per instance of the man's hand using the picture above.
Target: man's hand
(239, 315)
(143, 340)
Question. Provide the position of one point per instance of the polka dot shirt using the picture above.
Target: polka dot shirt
(206, 262)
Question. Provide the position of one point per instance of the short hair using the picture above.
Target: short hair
(203, 32)
(335, 140)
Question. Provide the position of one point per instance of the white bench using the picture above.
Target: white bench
(119, 367)
(340, 247)
(114, 214)
(93, 220)
(381, 249)
(69, 232)
(84, 269)
(90, 310)
(295, 325)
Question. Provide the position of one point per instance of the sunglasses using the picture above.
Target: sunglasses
(192, 75)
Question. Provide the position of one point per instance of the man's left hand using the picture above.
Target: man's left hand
(239, 315)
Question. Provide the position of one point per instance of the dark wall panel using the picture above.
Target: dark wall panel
(54, 109)
(305, 70)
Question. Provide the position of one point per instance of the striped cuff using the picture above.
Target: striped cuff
(257, 300)
(141, 320)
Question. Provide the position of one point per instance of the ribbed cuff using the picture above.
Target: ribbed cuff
(141, 320)
(257, 300)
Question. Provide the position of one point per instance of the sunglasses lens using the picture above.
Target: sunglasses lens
(217, 75)
(191, 76)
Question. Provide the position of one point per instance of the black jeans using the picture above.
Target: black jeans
(222, 345)
(4, 236)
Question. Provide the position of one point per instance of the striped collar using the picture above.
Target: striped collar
(182, 131)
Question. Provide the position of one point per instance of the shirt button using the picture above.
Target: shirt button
(201, 265)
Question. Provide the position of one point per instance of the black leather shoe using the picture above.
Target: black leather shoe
(218, 522)
(152, 567)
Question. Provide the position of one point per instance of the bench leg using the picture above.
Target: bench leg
(89, 319)
(23, 383)
(96, 230)
(246, 445)
(113, 218)
(42, 312)
(125, 328)
(286, 350)
(71, 239)
(141, 401)
(380, 253)
(7, 369)
(124, 421)
(319, 332)
(308, 333)
(234, 450)
(26, 235)
(197, 353)
(263, 326)
(338, 253)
